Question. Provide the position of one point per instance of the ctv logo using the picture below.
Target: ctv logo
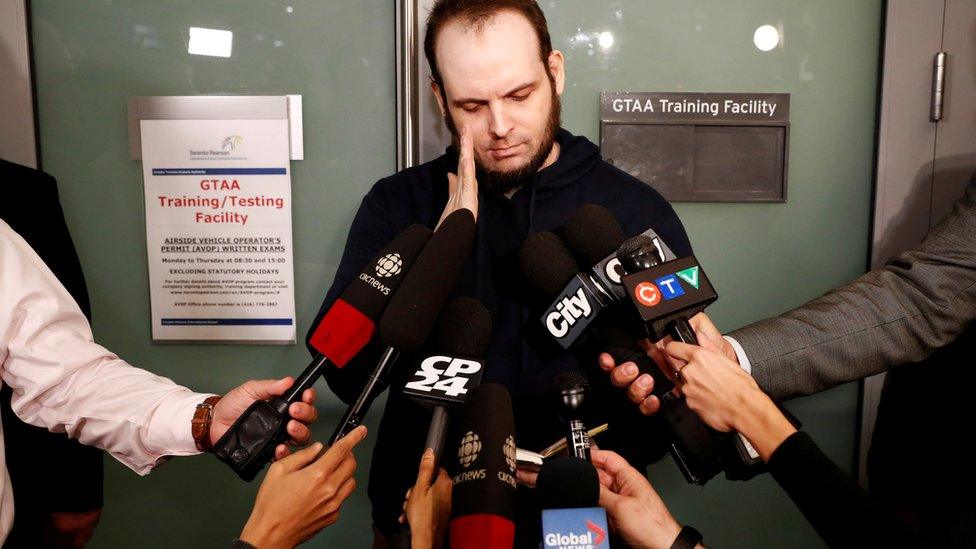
(667, 287)
(568, 311)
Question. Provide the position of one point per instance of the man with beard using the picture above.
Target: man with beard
(497, 81)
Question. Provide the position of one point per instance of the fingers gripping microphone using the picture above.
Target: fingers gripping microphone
(483, 500)
(414, 308)
(569, 493)
(570, 389)
(344, 330)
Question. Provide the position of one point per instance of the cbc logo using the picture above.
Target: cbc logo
(389, 265)
(647, 294)
(468, 451)
(510, 452)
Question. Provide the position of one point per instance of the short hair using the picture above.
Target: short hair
(476, 14)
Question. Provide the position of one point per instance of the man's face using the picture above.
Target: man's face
(495, 83)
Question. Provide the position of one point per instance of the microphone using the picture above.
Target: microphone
(444, 379)
(570, 389)
(344, 330)
(569, 493)
(483, 500)
(665, 304)
(414, 308)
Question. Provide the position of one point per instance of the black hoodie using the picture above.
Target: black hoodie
(516, 357)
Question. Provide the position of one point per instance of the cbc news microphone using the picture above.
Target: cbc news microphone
(569, 493)
(483, 500)
(344, 330)
(414, 308)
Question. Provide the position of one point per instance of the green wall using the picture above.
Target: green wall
(763, 258)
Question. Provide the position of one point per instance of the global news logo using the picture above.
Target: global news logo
(667, 287)
(592, 538)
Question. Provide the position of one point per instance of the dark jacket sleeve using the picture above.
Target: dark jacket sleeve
(839, 510)
(370, 232)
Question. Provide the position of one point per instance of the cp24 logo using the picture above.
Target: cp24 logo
(445, 376)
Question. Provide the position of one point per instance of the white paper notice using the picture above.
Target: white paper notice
(218, 230)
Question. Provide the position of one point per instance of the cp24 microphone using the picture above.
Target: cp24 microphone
(414, 308)
(483, 499)
(445, 378)
(570, 390)
(569, 493)
(665, 305)
(344, 330)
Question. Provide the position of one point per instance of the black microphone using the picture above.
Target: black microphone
(666, 304)
(483, 499)
(569, 494)
(570, 389)
(414, 308)
(343, 331)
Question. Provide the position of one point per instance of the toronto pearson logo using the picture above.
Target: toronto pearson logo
(469, 448)
(232, 142)
(389, 265)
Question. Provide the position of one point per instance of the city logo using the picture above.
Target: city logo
(690, 276)
(469, 449)
(647, 294)
(670, 287)
(389, 265)
(232, 142)
(570, 309)
(509, 451)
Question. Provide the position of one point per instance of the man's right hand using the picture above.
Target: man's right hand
(640, 386)
(463, 187)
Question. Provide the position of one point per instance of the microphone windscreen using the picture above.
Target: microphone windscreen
(570, 380)
(594, 233)
(415, 307)
(483, 499)
(567, 482)
(349, 324)
(463, 329)
(547, 263)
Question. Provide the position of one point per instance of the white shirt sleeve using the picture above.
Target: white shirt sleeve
(64, 381)
(740, 354)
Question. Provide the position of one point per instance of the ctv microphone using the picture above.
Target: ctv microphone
(569, 493)
(414, 308)
(570, 389)
(483, 500)
(665, 304)
(344, 330)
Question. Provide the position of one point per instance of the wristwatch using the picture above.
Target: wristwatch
(200, 425)
(688, 538)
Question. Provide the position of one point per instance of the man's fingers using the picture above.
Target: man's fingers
(342, 448)
(308, 396)
(298, 431)
(650, 405)
(681, 351)
(303, 412)
(641, 388)
(607, 364)
(623, 375)
(426, 470)
(607, 498)
(299, 459)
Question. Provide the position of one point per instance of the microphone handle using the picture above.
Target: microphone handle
(436, 433)
(578, 441)
(357, 410)
(307, 378)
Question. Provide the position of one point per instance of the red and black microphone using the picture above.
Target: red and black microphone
(414, 308)
(483, 499)
(344, 330)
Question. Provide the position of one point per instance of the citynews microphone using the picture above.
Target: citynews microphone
(667, 294)
(570, 390)
(569, 493)
(414, 308)
(483, 500)
(344, 330)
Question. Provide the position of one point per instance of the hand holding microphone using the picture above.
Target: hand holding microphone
(428, 505)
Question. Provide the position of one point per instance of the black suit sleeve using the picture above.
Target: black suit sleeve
(839, 510)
